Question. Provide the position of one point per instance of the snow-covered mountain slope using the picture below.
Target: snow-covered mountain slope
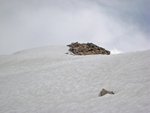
(46, 80)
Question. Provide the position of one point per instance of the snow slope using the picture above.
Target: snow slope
(46, 80)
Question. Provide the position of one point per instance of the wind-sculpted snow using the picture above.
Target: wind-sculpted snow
(46, 80)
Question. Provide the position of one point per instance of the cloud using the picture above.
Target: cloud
(119, 25)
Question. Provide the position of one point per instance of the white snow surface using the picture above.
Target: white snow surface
(46, 80)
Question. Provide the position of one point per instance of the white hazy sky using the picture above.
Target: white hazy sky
(118, 25)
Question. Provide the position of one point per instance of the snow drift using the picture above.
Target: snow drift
(46, 80)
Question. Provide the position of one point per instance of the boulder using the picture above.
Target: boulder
(104, 92)
(86, 49)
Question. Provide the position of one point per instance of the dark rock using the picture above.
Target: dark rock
(104, 92)
(86, 49)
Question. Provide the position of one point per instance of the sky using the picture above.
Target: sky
(117, 25)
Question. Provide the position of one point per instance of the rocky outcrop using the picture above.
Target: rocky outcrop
(86, 49)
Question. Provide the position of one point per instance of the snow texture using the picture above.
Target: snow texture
(46, 80)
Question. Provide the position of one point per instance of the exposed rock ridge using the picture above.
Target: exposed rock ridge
(87, 49)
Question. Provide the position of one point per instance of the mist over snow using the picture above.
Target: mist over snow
(113, 24)
(46, 80)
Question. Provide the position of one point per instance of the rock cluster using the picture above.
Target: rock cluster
(86, 49)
